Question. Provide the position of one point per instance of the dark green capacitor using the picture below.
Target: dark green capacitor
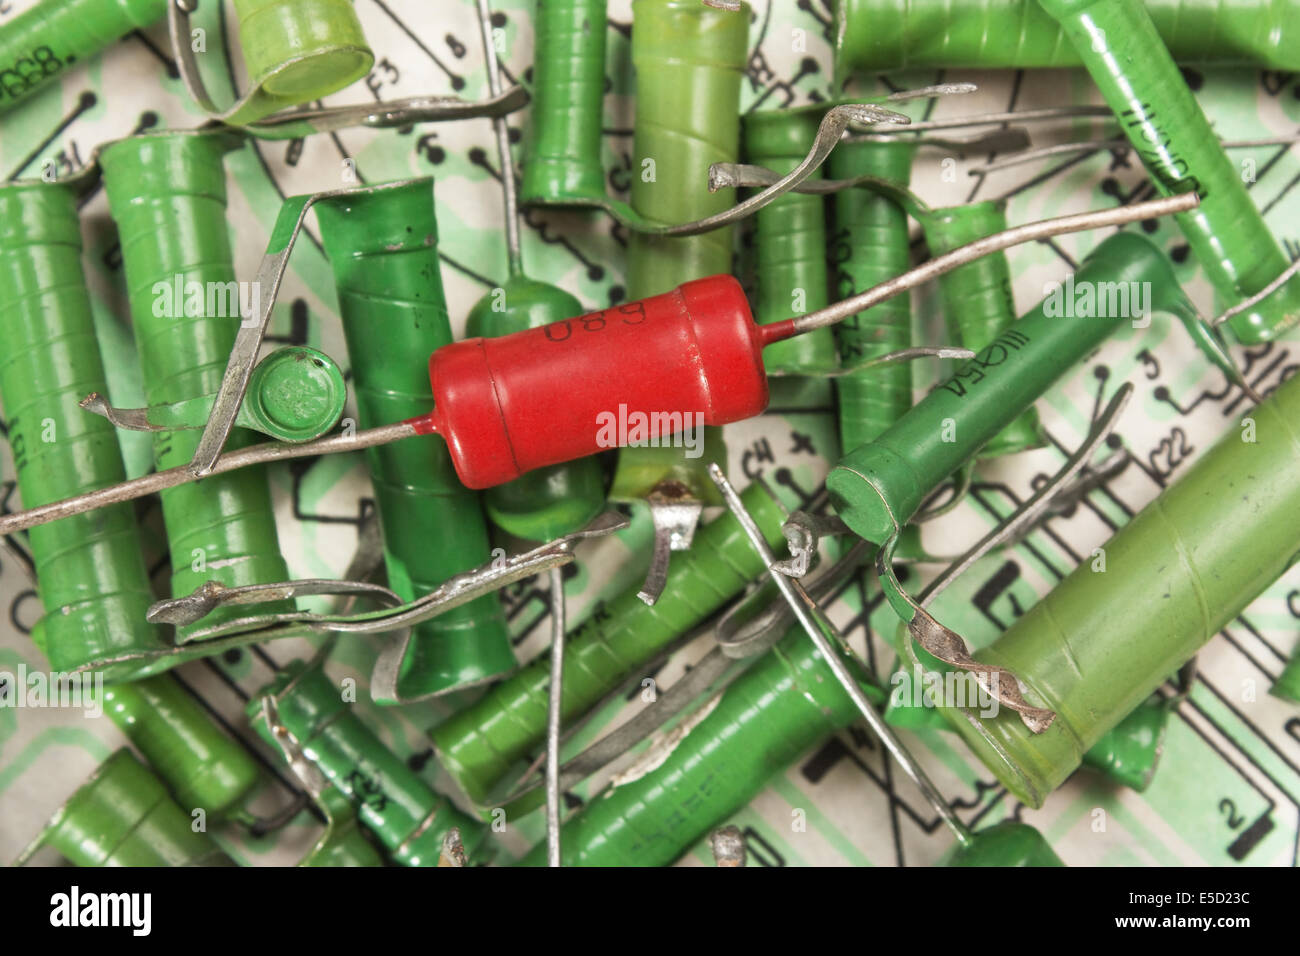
(383, 247)
(563, 153)
(1129, 752)
(91, 573)
(791, 240)
(167, 193)
(1287, 685)
(123, 816)
(1008, 844)
(43, 41)
(977, 300)
(409, 818)
(478, 745)
(689, 60)
(1122, 51)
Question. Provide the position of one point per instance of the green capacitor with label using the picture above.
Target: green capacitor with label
(478, 745)
(383, 247)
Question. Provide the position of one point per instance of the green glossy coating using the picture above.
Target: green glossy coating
(478, 745)
(297, 51)
(1007, 844)
(44, 40)
(1139, 81)
(1287, 685)
(791, 241)
(406, 814)
(383, 247)
(1100, 642)
(344, 842)
(554, 501)
(203, 766)
(1129, 752)
(167, 194)
(879, 486)
(92, 578)
(123, 816)
(562, 157)
(296, 394)
(978, 303)
(875, 36)
(783, 704)
(689, 60)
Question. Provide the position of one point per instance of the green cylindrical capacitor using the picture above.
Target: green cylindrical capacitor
(92, 578)
(791, 240)
(383, 247)
(977, 300)
(123, 816)
(1101, 641)
(204, 767)
(557, 500)
(300, 50)
(1137, 77)
(480, 743)
(689, 60)
(562, 158)
(1287, 685)
(880, 36)
(409, 818)
(879, 487)
(1006, 844)
(1129, 752)
(43, 41)
(168, 196)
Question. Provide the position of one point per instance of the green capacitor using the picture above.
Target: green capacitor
(549, 502)
(879, 36)
(1129, 752)
(1137, 77)
(123, 816)
(563, 154)
(689, 60)
(478, 745)
(343, 843)
(296, 51)
(791, 240)
(44, 40)
(409, 818)
(1008, 844)
(878, 487)
(978, 304)
(167, 193)
(1287, 685)
(1100, 642)
(383, 247)
(91, 573)
(203, 766)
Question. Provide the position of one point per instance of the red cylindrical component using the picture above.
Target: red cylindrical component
(641, 370)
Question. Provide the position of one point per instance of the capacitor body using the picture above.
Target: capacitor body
(642, 370)
(407, 815)
(562, 158)
(90, 571)
(1137, 77)
(41, 42)
(1101, 642)
(167, 194)
(872, 36)
(383, 248)
(978, 303)
(297, 51)
(478, 745)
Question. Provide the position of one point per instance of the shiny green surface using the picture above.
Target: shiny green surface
(168, 197)
(383, 248)
(480, 743)
(92, 578)
(1098, 645)
(977, 301)
(882, 35)
(1287, 685)
(562, 156)
(297, 51)
(406, 814)
(295, 394)
(1129, 752)
(1139, 81)
(1006, 844)
(57, 35)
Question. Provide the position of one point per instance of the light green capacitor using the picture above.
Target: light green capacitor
(41, 42)
(167, 193)
(1122, 51)
(1287, 685)
(383, 248)
(1099, 643)
(977, 300)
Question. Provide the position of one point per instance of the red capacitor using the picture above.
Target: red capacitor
(538, 397)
